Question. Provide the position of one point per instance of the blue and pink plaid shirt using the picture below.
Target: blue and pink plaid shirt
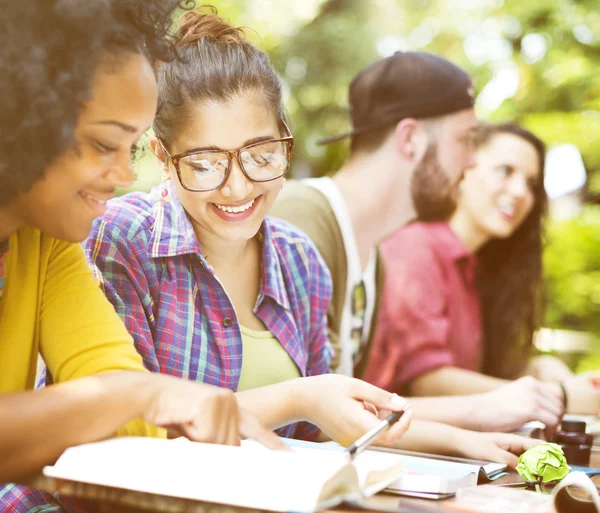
(146, 254)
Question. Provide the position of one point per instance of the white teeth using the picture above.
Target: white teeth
(509, 211)
(236, 210)
(507, 207)
(86, 195)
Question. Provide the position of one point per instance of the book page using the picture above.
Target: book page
(271, 480)
(426, 475)
(492, 470)
(376, 471)
(433, 477)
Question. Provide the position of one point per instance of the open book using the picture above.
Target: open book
(426, 475)
(250, 476)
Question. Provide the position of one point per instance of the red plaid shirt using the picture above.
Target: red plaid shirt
(429, 316)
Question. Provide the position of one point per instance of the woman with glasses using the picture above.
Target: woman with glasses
(210, 287)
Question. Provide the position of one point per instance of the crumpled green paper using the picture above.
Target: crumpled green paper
(545, 462)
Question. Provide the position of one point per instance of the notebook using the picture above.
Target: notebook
(249, 476)
(426, 475)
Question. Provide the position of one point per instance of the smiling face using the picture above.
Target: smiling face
(235, 211)
(75, 188)
(499, 192)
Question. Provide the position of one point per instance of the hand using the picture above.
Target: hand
(203, 413)
(583, 397)
(346, 408)
(548, 368)
(510, 406)
(499, 447)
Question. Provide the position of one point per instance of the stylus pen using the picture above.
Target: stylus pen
(369, 437)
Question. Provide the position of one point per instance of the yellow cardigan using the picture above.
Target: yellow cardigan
(51, 303)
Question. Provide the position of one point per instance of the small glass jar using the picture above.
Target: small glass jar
(576, 444)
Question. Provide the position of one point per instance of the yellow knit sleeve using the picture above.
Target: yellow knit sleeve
(138, 427)
(80, 332)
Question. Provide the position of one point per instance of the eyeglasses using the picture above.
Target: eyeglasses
(208, 170)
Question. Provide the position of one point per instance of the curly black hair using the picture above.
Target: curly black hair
(510, 276)
(49, 52)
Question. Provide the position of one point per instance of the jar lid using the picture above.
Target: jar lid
(573, 426)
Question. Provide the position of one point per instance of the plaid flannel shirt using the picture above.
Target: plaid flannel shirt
(146, 254)
(22, 499)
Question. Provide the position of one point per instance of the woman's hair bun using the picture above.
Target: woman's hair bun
(207, 26)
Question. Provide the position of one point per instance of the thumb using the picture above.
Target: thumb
(250, 427)
(381, 399)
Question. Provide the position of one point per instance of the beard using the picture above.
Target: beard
(433, 194)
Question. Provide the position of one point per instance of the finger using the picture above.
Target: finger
(370, 408)
(551, 391)
(398, 429)
(502, 456)
(550, 420)
(523, 444)
(362, 421)
(198, 433)
(382, 414)
(515, 443)
(232, 424)
(359, 422)
(381, 399)
(214, 421)
(174, 431)
(222, 413)
(251, 428)
(552, 406)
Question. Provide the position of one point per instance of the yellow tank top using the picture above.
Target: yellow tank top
(264, 360)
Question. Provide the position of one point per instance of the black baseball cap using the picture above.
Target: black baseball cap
(405, 85)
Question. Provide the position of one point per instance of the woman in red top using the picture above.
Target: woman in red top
(463, 298)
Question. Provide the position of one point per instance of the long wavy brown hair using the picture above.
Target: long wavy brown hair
(510, 276)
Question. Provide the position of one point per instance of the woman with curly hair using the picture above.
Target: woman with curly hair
(77, 91)
(463, 298)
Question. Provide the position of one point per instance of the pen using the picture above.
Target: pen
(370, 436)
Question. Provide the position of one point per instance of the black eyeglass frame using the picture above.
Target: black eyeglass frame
(175, 159)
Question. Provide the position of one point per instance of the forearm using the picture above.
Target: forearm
(547, 368)
(274, 405)
(455, 410)
(36, 427)
(453, 381)
(432, 437)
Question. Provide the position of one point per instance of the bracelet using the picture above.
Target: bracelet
(564, 394)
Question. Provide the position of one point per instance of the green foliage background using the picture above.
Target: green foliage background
(550, 49)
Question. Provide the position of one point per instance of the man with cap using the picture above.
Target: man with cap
(413, 124)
